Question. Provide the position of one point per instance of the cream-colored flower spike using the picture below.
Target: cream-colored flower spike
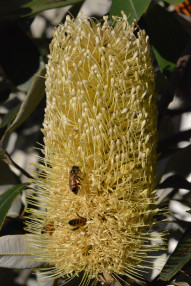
(96, 188)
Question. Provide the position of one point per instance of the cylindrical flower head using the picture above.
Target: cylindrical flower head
(98, 180)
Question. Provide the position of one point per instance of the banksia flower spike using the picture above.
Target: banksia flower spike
(97, 188)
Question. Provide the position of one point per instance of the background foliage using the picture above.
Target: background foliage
(22, 99)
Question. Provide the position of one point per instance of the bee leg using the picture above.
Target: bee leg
(75, 228)
(81, 217)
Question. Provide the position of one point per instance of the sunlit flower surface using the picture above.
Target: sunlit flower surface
(97, 181)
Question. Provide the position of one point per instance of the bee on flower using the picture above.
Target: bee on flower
(100, 115)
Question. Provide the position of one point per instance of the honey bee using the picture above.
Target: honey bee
(77, 222)
(49, 228)
(74, 179)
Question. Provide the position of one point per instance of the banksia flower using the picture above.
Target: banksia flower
(96, 191)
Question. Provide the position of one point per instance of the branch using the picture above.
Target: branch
(8, 160)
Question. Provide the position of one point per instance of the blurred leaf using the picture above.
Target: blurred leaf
(19, 57)
(8, 118)
(7, 198)
(14, 252)
(24, 87)
(2, 153)
(38, 6)
(43, 280)
(179, 162)
(179, 209)
(133, 8)
(167, 37)
(169, 142)
(7, 181)
(174, 2)
(33, 97)
(15, 208)
(11, 10)
(177, 259)
(165, 65)
(176, 182)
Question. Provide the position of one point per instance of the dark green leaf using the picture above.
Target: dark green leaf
(167, 37)
(24, 87)
(11, 10)
(177, 259)
(8, 118)
(2, 153)
(165, 65)
(7, 198)
(174, 2)
(132, 8)
(9, 180)
(38, 6)
(34, 96)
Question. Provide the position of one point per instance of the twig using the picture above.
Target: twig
(7, 159)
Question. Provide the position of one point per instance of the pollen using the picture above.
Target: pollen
(95, 191)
